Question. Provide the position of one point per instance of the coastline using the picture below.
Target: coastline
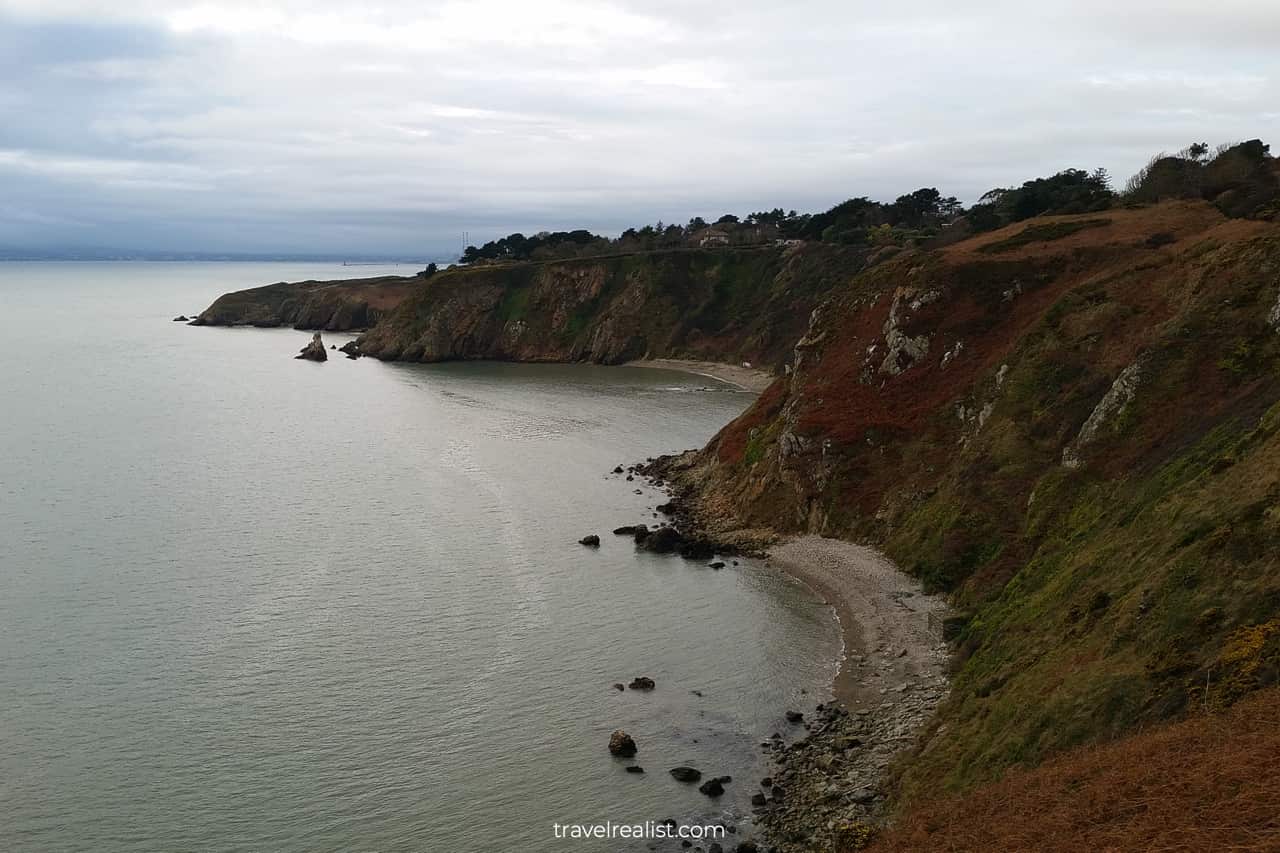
(891, 679)
(884, 617)
(746, 378)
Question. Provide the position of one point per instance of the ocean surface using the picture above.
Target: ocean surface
(256, 604)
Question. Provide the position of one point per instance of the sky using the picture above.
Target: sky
(395, 127)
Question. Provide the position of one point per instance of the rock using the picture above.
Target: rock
(715, 848)
(314, 351)
(712, 788)
(697, 549)
(182, 318)
(716, 565)
(795, 717)
(686, 774)
(351, 348)
(621, 743)
(591, 541)
(617, 470)
(617, 685)
(779, 793)
(630, 478)
(766, 782)
(630, 530)
(747, 846)
(758, 799)
(634, 768)
(664, 540)
(642, 682)
(333, 346)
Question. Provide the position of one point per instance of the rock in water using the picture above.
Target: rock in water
(642, 682)
(621, 743)
(712, 788)
(314, 351)
(591, 541)
(635, 768)
(686, 774)
(181, 318)
(351, 348)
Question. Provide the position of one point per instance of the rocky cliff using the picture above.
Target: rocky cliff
(1072, 425)
(730, 305)
(334, 306)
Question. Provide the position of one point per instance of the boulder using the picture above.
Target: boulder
(634, 768)
(351, 348)
(716, 565)
(621, 743)
(686, 774)
(642, 682)
(664, 540)
(758, 800)
(591, 541)
(182, 318)
(617, 685)
(712, 788)
(314, 351)
(795, 717)
(631, 530)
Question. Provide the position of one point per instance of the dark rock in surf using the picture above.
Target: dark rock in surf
(590, 540)
(622, 744)
(635, 768)
(664, 540)
(642, 682)
(686, 774)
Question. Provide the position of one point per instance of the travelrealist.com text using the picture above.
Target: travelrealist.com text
(648, 829)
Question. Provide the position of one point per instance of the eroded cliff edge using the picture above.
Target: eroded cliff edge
(729, 305)
(333, 306)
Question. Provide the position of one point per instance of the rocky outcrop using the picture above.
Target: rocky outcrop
(314, 351)
(333, 306)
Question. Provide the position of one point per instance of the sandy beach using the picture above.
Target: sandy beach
(890, 646)
(746, 378)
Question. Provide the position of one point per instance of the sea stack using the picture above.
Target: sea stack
(314, 351)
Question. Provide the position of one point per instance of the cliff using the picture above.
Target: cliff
(334, 306)
(729, 305)
(1072, 425)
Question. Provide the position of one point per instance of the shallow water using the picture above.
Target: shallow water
(253, 603)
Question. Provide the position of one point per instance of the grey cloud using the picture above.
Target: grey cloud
(392, 128)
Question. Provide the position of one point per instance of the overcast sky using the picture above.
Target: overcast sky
(394, 126)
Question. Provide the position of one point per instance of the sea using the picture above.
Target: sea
(251, 603)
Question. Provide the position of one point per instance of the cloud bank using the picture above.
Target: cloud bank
(394, 127)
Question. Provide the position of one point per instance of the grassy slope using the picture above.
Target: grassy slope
(1094, 599)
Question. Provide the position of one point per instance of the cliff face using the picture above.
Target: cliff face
(722, 305)
(1073, 425)
(334, 306)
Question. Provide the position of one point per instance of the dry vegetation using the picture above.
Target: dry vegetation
(1208, 783)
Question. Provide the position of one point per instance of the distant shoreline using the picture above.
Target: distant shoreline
(747, 378)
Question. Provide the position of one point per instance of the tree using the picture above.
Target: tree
(727, 219)
(429, 271)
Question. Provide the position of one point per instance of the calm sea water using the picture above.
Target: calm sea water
(253, 603)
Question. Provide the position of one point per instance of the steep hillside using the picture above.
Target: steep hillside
(1071, 424)
(330, 305)
(723, 305)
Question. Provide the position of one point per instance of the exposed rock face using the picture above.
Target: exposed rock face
(314, 351)
(724, 305)
(1110, 407)
(622, 744)
(333, 306)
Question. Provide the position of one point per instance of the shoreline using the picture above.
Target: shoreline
(891, 678)
(746, 378)
(884, 617)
